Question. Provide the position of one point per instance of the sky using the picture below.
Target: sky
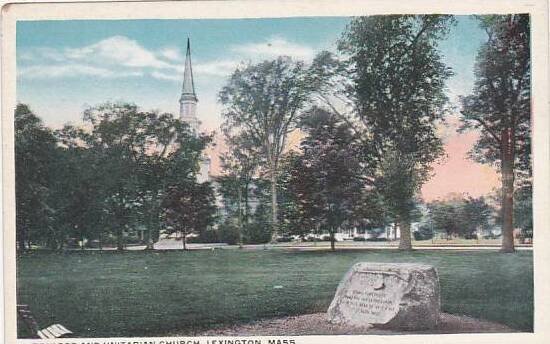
(66, 66)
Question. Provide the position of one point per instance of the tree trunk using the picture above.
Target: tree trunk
(405, 234)
(240, 215)
(150, 223)
(21, 241)
(274, 207)
(507, 176)
(246, 210)
(119, 243)
(332, 240)
(184, 240)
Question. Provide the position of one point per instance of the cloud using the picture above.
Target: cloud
(173, 54)
(216, 68)
(119, 56)
(113, 57)
(273, 47)
(71, 71)
(254, 52)
(164, 76)
(118, 50)
(41, 54)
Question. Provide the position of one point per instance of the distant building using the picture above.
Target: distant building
(188, 111)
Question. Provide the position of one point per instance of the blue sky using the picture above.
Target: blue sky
(64, 66)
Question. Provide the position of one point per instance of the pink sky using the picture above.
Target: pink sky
(459, 174)
(456, 174)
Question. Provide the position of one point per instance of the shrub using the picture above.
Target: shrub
(256, 233)
(229, 233)
(471, 236)
(209, 236)
(359, 239)
(284, 239)
(376, 239)
(133, 240)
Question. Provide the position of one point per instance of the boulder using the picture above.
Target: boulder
(387, 295)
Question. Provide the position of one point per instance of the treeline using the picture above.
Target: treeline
(345, 141)
(122, 171)
(367, 118)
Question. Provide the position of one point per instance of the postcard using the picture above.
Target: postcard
(275, 172)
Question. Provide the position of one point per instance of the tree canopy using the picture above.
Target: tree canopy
(500, 107)
(398, 90)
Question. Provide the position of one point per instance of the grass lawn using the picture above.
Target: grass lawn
(97, 294)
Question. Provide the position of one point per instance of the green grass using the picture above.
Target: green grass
(159, 293)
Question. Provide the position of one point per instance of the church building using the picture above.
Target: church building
(188, 111)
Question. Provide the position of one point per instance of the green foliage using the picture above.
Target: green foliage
(399, 80)
(398, 89)
(239, 165)
(460, 216)
(229, 233)
(326, 184)
(501, 97)
(35, 157)
(399, 179)
(258, 230)
(500, 107)
(209, 236)
(107, 177)
(189, 208)
(523, 209)
(261, 104)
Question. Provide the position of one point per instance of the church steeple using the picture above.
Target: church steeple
(188, 99)
(188, 89)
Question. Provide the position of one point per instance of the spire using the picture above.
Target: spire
(188, 89)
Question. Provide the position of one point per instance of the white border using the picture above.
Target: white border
(41, 10)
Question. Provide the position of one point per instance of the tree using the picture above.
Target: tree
(460, 216)
(258, 230)
(327, 179)
(523, 209)
(77, 186)
(500, 107)
(476, 213)
(239, 165)
(189, 208)
(299, 213)
(398, 87)
(398, 180)
(263, 101)
(139, 156)
(35, 150)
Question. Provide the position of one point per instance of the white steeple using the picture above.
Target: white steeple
(188, 99)
(188, 111)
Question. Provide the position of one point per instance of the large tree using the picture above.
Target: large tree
(398, 87)
(138, 155)
(462, 216)
(327, 180)
(500, 107)
(189, 208)
(239, 164)
(262, 101)
(77, 186)
(35, 153)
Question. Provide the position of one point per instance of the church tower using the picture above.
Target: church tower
(188, 111)
(188, 99)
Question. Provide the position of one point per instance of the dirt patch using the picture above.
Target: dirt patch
(317, 324)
